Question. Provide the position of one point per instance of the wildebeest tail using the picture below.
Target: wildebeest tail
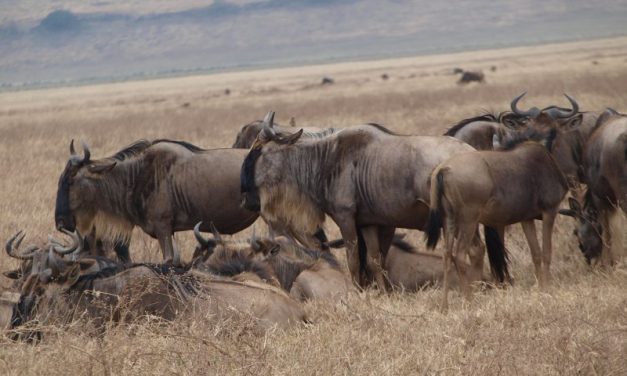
(496, 254)
(435, 222)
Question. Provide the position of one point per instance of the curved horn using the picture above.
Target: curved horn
(514, 106)
(269, 119)
(215, 232)
(86, 152)
(204, 242)
(75, 246)
(574, 105)
(72, 150)
(27, 254)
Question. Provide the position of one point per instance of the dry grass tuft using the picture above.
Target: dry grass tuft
(580, 327)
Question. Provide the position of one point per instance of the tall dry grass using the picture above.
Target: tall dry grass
(578, 327)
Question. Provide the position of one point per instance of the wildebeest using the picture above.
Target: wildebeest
(162, 186)
(574, 129)
(471, 76)
(600, 228)
(479, 131)
(519, 183)
(348, 176)
(248, 134)
(306, 273)
(411, 270)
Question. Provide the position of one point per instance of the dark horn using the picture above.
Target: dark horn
(514, 105)
(72, 150)
(199, 238)
(10, 247)
(574, 105)
(76, 245)
(269, 119)
(86, 153)
(215, 232)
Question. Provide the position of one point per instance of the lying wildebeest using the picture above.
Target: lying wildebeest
(346, 175)
(306, 273)
(409, 269)
(248, 134)
(600, 228)
(519, 183)
(471, 76)
(162, 186)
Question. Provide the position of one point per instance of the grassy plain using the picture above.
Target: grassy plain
(579, 327)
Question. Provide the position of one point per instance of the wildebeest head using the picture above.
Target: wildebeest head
(268, 140)
(588, 229)
(76, 194)
(551, 116)
(247, 135)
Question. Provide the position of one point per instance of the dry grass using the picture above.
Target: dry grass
(579, 327)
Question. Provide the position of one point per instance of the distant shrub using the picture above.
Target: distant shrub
(60, 20)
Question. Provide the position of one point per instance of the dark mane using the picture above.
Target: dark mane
(326, 256)
(86, 281)
(140, 146)
(381, 128)
(530, 134)
(456, 127)
(230, 264)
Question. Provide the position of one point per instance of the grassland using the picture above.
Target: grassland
(578, 327)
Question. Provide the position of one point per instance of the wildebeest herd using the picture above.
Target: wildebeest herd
(489, 171)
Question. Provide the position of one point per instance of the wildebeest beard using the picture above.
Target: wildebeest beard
(63, 217)
(250, 193)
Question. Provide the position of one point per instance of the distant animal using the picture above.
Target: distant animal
(469, 76)
(327, 81)
(248, 134)
(519, 183)
(346, 175)
(162, 186)
(600, 229)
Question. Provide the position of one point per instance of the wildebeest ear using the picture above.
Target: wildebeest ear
(101, 167)
(289, 140)
(86, 263)
(568, 212)
(73, 274)
(13, 274)
(574, 205)
(275, 249)
(573, 123)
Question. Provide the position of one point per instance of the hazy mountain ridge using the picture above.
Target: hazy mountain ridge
(68, 46)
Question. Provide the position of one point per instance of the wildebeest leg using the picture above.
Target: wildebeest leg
(616, 226)
(346, 223)
(529, 229)
(465, 235)
(373, 251)
(449, 237)
(121, 250)
(386, 235)
(476, 255)
(548, 220)
(170, 252)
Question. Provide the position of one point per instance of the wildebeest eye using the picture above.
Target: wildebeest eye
(575, 232)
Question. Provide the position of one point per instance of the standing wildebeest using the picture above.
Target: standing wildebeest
(574, 129)
(162, 186)
(367, 179)
(479, 131)
(497, 189)
(248, 134)
(600, 228)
